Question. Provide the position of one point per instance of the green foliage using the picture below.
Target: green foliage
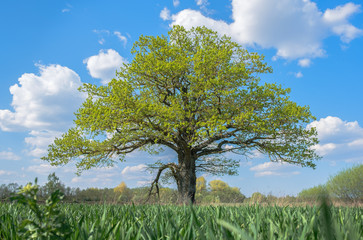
(196, 93)
(185, 222)
(347, 184)
(6, 191)
(313, 194)
(218, 192)
(52, 185)
(217, 185)
(46, 221)
(257, 197)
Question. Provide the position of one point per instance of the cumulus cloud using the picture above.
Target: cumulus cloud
(176, 3)
(273, 169)
(134, 169)
(305, 62)
(296, 28)
(42, 169)
(43, 105)
(335, 129)
(165, 14)
(337, 19)
(44, 101)
(6, 155)
(39, 142)
(104, 65)
(324, 149)
(191, 18)
(339, 140)
(299, 75)
(202, 4)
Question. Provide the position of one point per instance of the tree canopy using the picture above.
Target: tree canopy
(347, 184)
(196, 93)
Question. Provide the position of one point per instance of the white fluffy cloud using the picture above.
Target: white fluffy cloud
(201, 3)
(104, 65)
(165, 14)
(176, 3)
(6, 155)
(134, 169)
(273, 169)
(44, 105)
(305, 62)
(42, 169)
(299, 75)
(334, 129)
(339, 140)
(296, 28)
(337, 19)
(44, 101)
(39, 141)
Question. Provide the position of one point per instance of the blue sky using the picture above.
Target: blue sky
(49, 48)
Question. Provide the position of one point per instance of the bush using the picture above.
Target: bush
(257, 197)
(347, 185)
(47, 222)
(313, 194)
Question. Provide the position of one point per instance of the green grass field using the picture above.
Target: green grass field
(186, 222)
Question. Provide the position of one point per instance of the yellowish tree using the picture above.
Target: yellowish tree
(217, 185)
(121, 188)
(201, 184)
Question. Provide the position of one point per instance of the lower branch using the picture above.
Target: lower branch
(155, 183)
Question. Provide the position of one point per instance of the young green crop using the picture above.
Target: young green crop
(200, 222)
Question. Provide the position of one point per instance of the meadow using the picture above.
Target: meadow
(82, 221)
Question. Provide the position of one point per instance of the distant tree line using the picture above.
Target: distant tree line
(216, 192)
(346, 186)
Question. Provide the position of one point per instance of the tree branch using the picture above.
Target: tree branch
(172, 166)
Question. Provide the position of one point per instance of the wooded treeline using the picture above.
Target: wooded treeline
(345, 187)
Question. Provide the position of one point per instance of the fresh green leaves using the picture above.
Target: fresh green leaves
(92, 221)
(47, 221)
(195, 92)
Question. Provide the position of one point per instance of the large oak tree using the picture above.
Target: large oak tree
(196, 93)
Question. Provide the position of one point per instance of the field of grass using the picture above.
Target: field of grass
(185, 222)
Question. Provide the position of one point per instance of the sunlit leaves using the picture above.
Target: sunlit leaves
(192, 91)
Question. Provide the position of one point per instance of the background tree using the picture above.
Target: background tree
(201, 184)
(201, 188)
(347, 184)
(6, 191)
(52, 185)
(314, 193)
(121, 188)
(123, 193)
(196, 93)
(224, 193)
(257, 197)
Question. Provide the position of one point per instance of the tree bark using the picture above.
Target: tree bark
(186, 177)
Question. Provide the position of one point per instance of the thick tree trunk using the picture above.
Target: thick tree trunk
(186, 177)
